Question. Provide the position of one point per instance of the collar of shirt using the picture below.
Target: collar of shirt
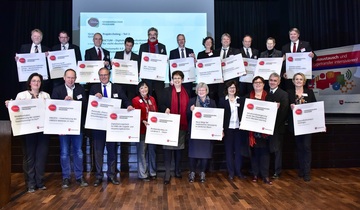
(227, 97)
(66, 46)
(274, 90)
(33, 47)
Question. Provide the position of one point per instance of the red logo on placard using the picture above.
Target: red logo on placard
(290, 59)
(129, 137)
(82, 66)
(198, 114)
(94, 103)
(223, 64)
(246, 63)
(116, 64)
(261, 63)
(298, 112)
(250, 106)
(52, 107)
(69, 129)
(22, 60)
(15, 108)
(200, 65)
(52, 57)
(153, 119)
(113, 116)
(174, 65)
(146, 58)
(263, 128)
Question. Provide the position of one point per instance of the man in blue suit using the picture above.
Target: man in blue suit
(182, 52)
(71, 91)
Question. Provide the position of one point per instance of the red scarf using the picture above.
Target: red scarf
(184, 100)
(152, 46)
(252, 140)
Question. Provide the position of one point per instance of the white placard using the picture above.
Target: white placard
(97, 111)
(62, 117)
(309, 118)
(259, 116)
(267, 66)
(207, 123)
(233, 67)
(60, 61)
(153, 66)
(250, 66)
(29, 63)
(186, 65)
(26, 116)
(125, 72)
(163, 129)
(298, 62)
(87, 71)
(123, 125)
(208, 70)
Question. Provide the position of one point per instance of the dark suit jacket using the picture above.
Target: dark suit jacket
(26, 48)
(302, 45)
(227, 110)
(255, 53)
(276, 53)
(145, 48)
(280, 96)
(175, 54)
(133, 57)
(91, 55)
(116, 92)
(231, 51)
(60, 92)
(71, 46)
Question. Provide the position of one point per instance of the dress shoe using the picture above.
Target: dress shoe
(231, 177)
(267, 181)
(202, 177)
(307, 178)
(167, 181)
(153, 177)
(82, 182)
(65, 183)
(113, 181)
(42, 187)
(255, 178)
(241, 176)
(146, 179)
(97, 182)
(31, 189)
(276, 176)
(191, 177)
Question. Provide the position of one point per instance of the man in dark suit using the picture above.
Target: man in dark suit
(65, 45)
(224, 52)
(276, 94)
(247, 52)
(182, 52)
(294, 46)
(106, 89)
(127, 54)
(153, 46)
(71, 91)
(36, 47)
(97, 52)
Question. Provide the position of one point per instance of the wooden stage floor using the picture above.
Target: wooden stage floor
(328, 189)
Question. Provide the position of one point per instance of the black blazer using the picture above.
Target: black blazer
(276, 53)
(227, 110)
(146, 48)
(302, 45)
(203, 54)
(26, 48)
(71, 46)
(231, 51)
(174, 54)
(255, 53)
(91, 55)
(60, 92)
(115, 89)
(133, 57)
(280, 96)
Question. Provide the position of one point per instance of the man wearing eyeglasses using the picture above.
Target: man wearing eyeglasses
(65, 45)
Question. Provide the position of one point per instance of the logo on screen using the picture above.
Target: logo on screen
(52, 107)
(341, 102)
(93, 22)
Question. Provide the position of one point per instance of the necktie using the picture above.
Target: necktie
(247, 52)
(99, 54)
(64, 47)
(105, 92)
(36, 49)
(294, 47)
(224, 55)
(182, 53)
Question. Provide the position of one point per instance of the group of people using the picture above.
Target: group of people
(178, 98)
